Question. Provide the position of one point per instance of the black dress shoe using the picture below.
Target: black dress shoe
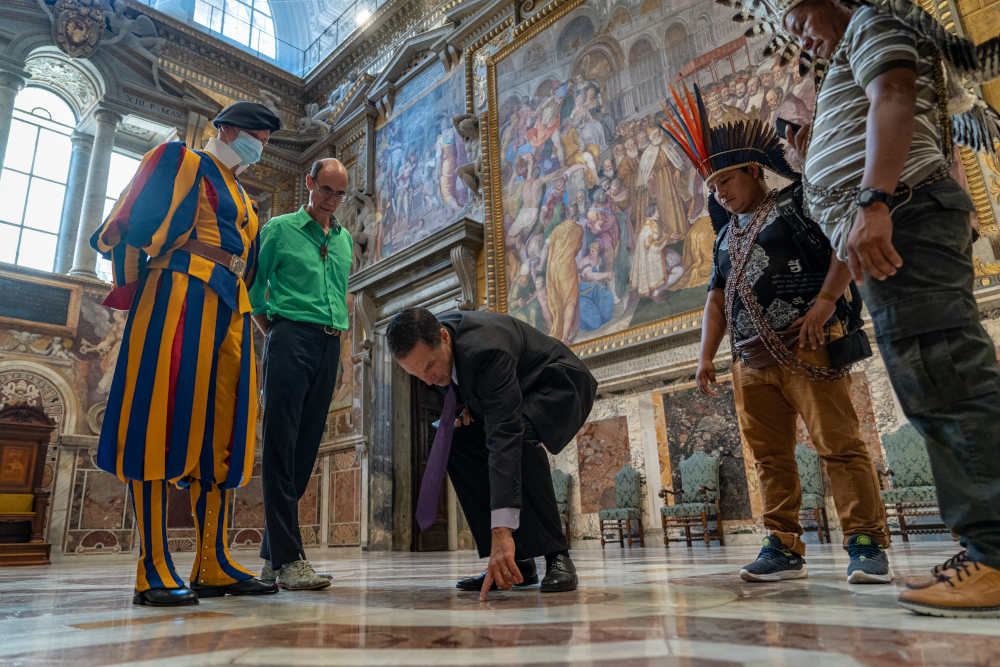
(528, 571)
(245, 587)
(165, 597)
(560, 576)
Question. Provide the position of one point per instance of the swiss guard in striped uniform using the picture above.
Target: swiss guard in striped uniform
(182, 239)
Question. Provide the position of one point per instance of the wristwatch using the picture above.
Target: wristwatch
(869, 196)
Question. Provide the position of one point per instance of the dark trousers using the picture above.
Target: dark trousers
(300, 370)
(540, 531)
(941, 361)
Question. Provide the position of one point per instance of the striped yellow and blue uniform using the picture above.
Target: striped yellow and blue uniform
(183, 400)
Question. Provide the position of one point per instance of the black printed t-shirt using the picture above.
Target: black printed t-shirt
(779, 277)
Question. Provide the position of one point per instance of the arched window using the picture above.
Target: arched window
(33, 182)
(248, 22)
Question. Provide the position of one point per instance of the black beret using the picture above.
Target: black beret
(248, 116)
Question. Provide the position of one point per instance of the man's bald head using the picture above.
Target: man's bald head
(329, 168)
(327, 182)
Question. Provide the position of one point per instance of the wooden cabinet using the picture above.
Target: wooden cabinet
(25, 433)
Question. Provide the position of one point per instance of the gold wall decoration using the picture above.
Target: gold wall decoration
(476, 57)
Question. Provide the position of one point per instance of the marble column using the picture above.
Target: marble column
(76, 184)
(11, 84)
(92, 212)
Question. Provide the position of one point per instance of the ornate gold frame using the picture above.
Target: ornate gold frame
(496, 269)
(470, 52)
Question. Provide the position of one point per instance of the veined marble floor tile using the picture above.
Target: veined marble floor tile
(651, 606)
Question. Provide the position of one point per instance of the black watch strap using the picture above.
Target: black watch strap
(868, 196)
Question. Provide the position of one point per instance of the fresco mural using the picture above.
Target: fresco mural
(605, 222)
(417, 153)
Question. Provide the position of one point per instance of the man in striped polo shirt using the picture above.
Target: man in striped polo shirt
(876, 172)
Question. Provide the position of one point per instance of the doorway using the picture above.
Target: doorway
(426, 405)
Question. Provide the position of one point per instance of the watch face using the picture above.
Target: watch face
(866, 197)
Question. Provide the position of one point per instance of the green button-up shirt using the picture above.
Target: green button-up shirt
(293, 280)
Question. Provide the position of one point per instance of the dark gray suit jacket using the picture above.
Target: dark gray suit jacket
(508, 370)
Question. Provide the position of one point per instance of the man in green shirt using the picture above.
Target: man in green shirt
(299, 301)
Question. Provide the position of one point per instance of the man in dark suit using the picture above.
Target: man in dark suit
(519, 389)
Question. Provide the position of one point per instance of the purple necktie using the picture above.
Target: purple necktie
(437, 464)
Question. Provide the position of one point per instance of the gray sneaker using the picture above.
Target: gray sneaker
(267, 573)
(300, 576)
(869, 564)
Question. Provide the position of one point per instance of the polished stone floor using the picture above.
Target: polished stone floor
(634, 607)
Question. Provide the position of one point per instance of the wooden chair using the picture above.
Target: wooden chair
(913, 494)
(627, 495)
(699, 498)
(813, 506)
(562, 484)
(25, 432)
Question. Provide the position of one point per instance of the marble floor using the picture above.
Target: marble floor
(633, 607)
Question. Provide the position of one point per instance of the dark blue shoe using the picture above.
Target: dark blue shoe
(869, 564)
(775, 563)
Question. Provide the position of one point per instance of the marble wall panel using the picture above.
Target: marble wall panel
(602, 449)
(248, 504)
(698, 423)
(100, 516)
(179, 509)
(309, 504)
(345, 499)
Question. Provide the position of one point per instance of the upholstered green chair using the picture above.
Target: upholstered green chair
(562, 483)
(913, 493)
(813, 503)
(628, 495)
(699, 499)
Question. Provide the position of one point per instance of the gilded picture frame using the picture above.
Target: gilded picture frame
(496, 265)
(525, 52)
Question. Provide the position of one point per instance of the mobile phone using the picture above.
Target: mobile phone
(782, 125)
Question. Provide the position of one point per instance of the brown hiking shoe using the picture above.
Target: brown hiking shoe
(920, 583)
(966, 590)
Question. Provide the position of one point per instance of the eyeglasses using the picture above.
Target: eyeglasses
(327, 193)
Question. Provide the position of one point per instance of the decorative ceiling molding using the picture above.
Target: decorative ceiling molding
(71, 78)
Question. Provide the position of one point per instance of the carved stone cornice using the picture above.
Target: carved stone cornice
(438, 272)
(23, 11)
(481, 23)
(371, 50)
(208, 49)
(382, 29)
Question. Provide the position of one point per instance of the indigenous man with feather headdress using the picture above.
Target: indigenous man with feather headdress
(895, 93)
(775, 285)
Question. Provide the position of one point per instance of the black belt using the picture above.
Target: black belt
(322, 327)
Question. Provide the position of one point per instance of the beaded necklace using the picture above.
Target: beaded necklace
(741, 242)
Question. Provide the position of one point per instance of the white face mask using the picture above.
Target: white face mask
(248, 148)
